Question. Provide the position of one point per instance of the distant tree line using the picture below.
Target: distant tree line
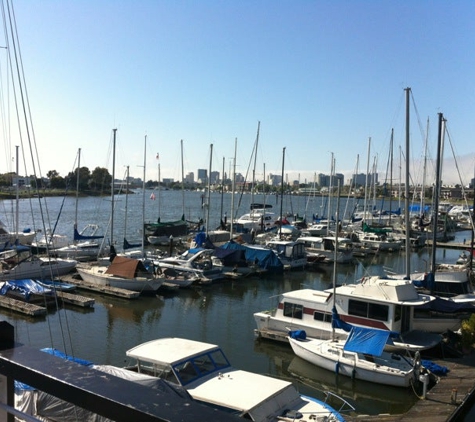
(97, 181)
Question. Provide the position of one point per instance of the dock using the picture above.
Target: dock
(451, 245)
(25, 308)
(112, 291)
(76, 300)
(444, 402)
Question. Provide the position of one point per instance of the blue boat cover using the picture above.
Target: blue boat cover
(25, 287)
(366, 340)
(264, 258)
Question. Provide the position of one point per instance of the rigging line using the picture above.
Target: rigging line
(460, 177)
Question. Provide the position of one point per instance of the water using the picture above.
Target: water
(221, 314)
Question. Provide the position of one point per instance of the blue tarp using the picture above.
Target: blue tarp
(366, 340)
(264, 258)
(25, 287)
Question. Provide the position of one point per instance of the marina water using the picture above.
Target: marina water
(221, 313)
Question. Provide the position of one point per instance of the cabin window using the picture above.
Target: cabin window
(322, 316)
(397, 313)
(358, 308)
(293, 310)
(219, 359)
(186, 372)
(368, 310)
(379, 312)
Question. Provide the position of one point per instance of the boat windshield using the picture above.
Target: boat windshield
(200, 366)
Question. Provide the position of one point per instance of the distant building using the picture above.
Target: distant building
(360, 179)
(325, 180)
(190, 178)
(214, 177)
(275, 180)
(202, 176)
(168, 181)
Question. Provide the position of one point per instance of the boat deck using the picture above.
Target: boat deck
(113, 291)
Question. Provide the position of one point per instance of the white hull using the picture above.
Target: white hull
(41, 268)
(329, 355)
(97, 275)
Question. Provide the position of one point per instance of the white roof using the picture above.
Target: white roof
(169, 350)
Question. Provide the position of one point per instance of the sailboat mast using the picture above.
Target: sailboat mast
(282, 194)
(182, 180)
(406, 189)
(126, 202)
(335, 252)
(436, 194)
(391, 176)
(112, 187)
(209, 189)
(77, 190)
(143, 189)
(366, 181)
(233, 187)
(255, 159)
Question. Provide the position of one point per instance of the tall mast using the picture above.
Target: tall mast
(282, 194)
(143, 190)
(406, 189)
(182, 180)
(438, 172)
(209, 189)
(77, 190)
(335, 252)
(255, 159)
(366, 181)
(112, 187)
(233, 187)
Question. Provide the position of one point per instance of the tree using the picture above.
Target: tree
(51, 174)
(100, 179)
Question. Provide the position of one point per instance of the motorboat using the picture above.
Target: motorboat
(205, 372)
(315, 245)
(375, 302)
(361, 356)
(35, 267)
(291, 253)
(123, 273)
(196, 262)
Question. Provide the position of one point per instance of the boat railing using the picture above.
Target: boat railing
(345, 406)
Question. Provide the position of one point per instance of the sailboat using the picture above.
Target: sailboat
(159, 233)
(360, 356)
(87, 244)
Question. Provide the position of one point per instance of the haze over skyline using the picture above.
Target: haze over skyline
(321, 78)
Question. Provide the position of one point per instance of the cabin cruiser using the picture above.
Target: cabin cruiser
(325, 246)
(205, 372)
(375, 302)
(197, 261)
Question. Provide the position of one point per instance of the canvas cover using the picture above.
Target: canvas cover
(125, 267)
(264, 258)
(366, 340)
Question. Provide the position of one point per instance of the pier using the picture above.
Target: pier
(445, 402)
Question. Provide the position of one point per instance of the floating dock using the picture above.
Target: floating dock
(112, 291)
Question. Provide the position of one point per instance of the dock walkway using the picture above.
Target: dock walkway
(444, 402)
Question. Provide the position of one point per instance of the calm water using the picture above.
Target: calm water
(220, 314)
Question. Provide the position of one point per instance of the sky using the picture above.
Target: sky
(322, 79)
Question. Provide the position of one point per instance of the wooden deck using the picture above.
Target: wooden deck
(112, 291)
(444, 401)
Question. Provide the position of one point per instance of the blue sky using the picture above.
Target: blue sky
(322, 77)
